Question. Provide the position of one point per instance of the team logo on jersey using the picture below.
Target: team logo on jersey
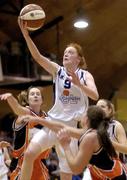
(66, 92)
(67, 98)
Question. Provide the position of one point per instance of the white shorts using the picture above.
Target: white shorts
(47, 139)
(4, 177)
(86, 174)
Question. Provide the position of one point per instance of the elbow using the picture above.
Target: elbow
(17, 111)
(95, 97)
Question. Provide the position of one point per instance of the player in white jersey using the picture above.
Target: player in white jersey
(69, 98)
(73, 87)
(115, 130)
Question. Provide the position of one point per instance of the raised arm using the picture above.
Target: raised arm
(13, 103)
(48, 65)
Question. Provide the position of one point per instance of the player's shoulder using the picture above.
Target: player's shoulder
(118, 125)
(88, 74)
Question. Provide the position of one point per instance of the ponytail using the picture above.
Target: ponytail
(98, 121)
(23, 98)
(103, 138)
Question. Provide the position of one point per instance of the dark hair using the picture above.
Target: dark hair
(110, 106)
(98, 121)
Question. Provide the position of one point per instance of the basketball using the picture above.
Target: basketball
(34, 15)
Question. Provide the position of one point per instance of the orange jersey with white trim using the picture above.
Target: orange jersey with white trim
(40, 171)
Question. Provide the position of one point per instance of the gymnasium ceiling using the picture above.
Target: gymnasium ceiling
(104, 41)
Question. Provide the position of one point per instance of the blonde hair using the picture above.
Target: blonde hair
(79, 49)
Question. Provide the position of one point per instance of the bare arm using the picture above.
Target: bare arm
(48, 65)
(120, 133)
(90, 87)
(120, 147)
(13, 103)
(80, 161)
(54, 125)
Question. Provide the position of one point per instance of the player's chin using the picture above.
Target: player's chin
(35, 103)
(67, 64)
(64, 62)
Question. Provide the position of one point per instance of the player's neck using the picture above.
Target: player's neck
(72, 70)
(36, 109)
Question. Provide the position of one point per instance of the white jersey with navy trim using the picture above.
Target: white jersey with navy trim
(112, 130)
(70, 101)
(113, 136)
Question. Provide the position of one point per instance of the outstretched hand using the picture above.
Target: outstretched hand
(5, 96)
(23, 26)
(26, 118)
(74, 78)
(64, 138)
(4, 144)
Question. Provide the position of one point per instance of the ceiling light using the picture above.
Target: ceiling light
(80, 21)
(81, 24)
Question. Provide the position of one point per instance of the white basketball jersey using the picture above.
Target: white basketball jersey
(70, 101)
(113, 136)
(112, 130)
